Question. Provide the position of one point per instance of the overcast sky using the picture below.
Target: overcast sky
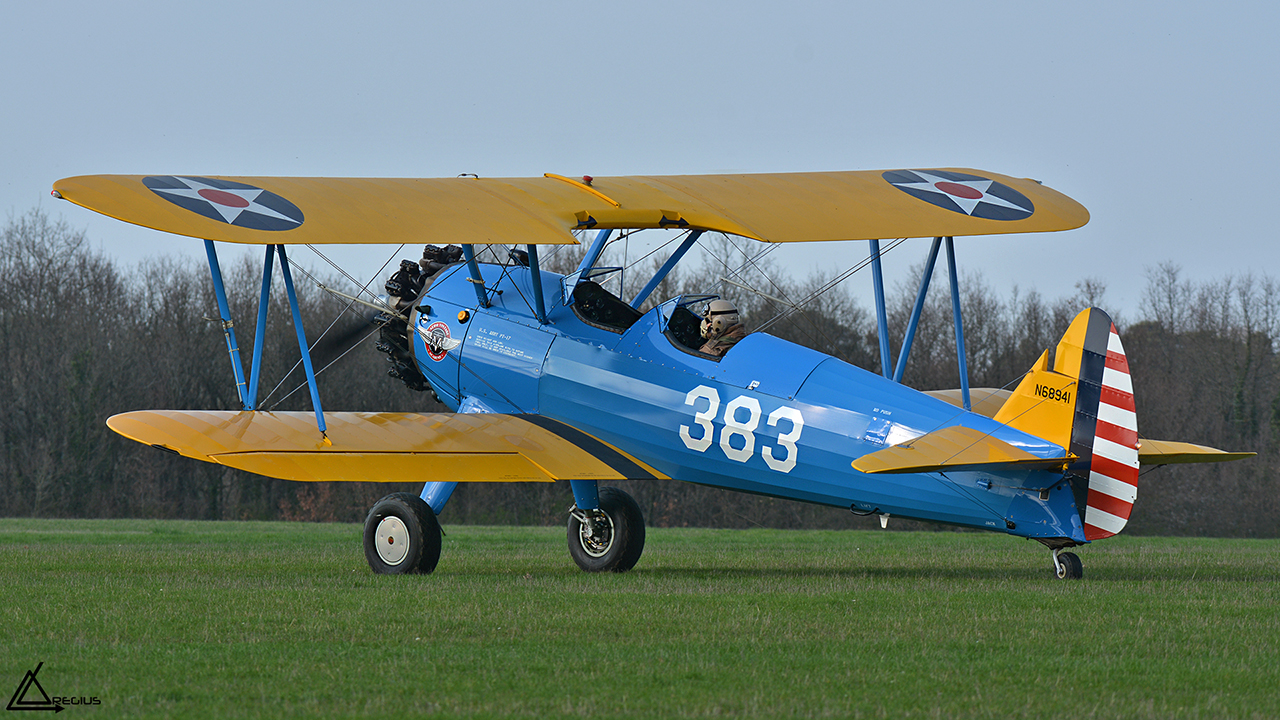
(1158, 117)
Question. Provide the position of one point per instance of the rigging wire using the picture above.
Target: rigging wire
(642, 258)
(753, 261)
(347, 275)
(831, 284)
(363, 288)
(738, 274)
(559, 300)
(326, 367)
(376, 329)
(506, 268)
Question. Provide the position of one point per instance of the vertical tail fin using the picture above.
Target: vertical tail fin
(1099, 429)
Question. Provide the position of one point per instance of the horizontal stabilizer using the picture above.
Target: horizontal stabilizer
(988, 401)
(1168, 452)
(952, 448)
(385, 447)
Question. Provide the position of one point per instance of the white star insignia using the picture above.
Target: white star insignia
(229, 203)
(965, 193)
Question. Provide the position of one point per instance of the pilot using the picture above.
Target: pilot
(721, 327)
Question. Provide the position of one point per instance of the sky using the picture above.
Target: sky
(1158, 117)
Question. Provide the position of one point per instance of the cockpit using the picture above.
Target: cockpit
(601, 309)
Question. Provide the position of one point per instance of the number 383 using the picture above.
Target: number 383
(741, 418)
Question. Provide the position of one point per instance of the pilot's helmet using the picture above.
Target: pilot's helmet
(719, 316)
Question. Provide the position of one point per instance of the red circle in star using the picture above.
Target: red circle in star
(220, 197)
(958, 190)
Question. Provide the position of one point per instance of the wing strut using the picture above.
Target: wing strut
(535, 270)
(302, 339)
(228, 328)
(264, 301)
(469, 252)
(249, 394)
(882, 321)
(663, 271)
(588, 261)
(910, 337)
(955, 313)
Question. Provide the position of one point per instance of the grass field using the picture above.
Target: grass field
(192, 619)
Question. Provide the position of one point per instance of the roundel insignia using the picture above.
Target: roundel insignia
(963, 193)
(230, 202)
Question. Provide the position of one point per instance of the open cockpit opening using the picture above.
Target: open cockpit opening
(602, 309)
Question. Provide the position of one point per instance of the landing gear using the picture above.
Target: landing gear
(609, 539)
(1067, 565)
(401, 535)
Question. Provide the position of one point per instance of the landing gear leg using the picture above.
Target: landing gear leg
(610, 538)
(1067, 565)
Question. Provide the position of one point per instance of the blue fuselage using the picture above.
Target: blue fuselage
(770, 417)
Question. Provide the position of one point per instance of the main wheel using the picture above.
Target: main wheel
(610, 539)
(1069, 566)
(401, 535)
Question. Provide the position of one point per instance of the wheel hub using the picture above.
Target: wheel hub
(596, 533)
(392, 540)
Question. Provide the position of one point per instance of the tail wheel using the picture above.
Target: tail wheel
(610, 539)
(401, 535)
(1068, 566)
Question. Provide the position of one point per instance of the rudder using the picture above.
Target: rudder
(1099, 428)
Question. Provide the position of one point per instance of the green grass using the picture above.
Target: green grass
(166, 619)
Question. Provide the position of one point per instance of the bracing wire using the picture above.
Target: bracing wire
(797, 307)
(326, 367)
(506, 273)
(830, 284)
(363, 288)
(376, 329)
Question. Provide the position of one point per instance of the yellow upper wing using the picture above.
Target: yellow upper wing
(783, 207)
(385, 447)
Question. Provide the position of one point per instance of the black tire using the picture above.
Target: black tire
(1071, 567)
(401, 536)
(617, 546)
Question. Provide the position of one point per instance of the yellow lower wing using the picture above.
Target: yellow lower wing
(385, 447)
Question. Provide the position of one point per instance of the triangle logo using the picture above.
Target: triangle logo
(19, 701)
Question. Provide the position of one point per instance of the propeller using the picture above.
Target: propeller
(389, 317)
(352, 329)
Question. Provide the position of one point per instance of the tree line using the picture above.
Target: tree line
(83, 338)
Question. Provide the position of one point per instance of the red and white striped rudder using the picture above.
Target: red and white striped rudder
(1104, 436)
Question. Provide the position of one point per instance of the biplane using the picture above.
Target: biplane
(553, 377)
